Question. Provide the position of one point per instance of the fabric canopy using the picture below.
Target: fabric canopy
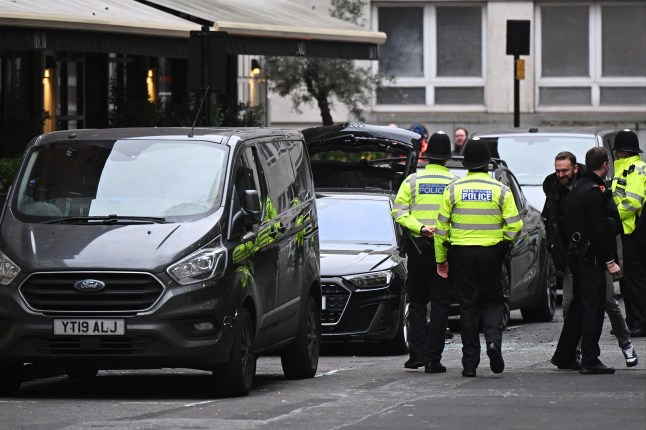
(162, 28)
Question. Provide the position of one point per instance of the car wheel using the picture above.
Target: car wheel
(399, 344)
(544, 311)
(506, 291)
(81, 373)
(10, 380)
(301, 359)
(237, 375)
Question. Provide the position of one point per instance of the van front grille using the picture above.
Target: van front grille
(91, 345)
(123, 292)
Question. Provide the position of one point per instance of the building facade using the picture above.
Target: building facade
(586, 65)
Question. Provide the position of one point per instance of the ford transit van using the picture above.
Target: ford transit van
(161, 248)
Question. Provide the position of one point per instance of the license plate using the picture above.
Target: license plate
(90, 327)
(323, 303)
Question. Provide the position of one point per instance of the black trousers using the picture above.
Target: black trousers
(634, 282)
(478, 272)
(584, 319)
(426, 339)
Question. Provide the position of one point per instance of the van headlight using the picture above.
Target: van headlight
(8, 270)
(203, 264)
(371, 280)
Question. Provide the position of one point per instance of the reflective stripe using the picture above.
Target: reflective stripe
(426, 207)
(450, 178)
(463, 226)
(452, 194)
(413, 190)
(501, 201)
(472, 211)
(635, 196)
(614, 194)
(512, 219)
(399, 214)
(442, 218)
(441, 232)
(427, 222)
(511, 234)
(482, 181)
(628, 207)
(400, 206)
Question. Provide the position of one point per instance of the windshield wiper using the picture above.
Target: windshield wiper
(110, 219)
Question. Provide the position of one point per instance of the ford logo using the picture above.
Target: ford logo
(91, 285)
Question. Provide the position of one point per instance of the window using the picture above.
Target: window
(434, 52)
(588, 58)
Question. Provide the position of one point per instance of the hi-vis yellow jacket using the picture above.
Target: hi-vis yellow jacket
(629, 190)
(476, 210)
(419, 197)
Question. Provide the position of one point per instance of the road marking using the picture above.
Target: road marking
(331, 372)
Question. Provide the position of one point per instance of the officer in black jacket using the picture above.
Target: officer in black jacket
(556, 187)
(590, 255)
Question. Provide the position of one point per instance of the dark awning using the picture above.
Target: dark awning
(242, 45)
(19, 39)
(162, 28)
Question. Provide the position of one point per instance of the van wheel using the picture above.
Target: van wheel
(301, 359)
(81, 373)
(237, 375)
(10, 380)
(544, 310)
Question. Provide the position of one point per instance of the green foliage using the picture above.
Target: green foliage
(8, 169)
(322, 80)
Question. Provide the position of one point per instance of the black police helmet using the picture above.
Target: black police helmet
(476, 155)
(626, 140)
(439, 146)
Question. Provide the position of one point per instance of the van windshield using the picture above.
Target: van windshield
(123, 178)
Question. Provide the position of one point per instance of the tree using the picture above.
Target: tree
(322, 80)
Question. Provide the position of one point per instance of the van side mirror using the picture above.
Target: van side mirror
(246, 216)
(251, 207)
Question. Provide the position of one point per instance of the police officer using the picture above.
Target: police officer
(416, 207)
(479, 221)
(591, 255)
(557, 187)
(628, 192)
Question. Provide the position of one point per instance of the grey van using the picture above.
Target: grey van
(161, 247)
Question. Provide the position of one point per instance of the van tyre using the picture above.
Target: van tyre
(300, 360)
(10, 380)
(236, 377)
(546, 307)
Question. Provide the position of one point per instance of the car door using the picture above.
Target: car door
(524, 263)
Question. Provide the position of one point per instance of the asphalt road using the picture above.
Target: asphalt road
(357, 388)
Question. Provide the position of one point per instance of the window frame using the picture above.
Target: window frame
(430, 81)
(595, 81)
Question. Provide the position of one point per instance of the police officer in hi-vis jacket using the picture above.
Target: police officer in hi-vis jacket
(478, 223)
(416, 207)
